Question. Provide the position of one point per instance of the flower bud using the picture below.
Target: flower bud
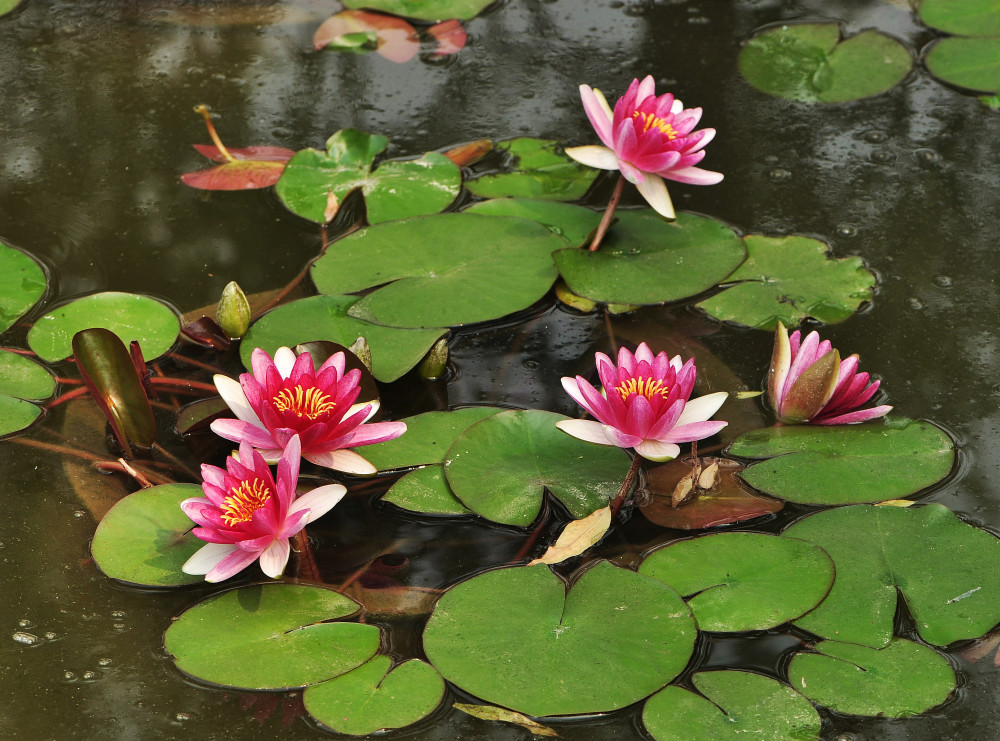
(435, 362)
(233, 311)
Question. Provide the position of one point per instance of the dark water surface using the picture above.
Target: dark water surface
(96, 125)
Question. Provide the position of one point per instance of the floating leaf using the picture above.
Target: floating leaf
(151, 323)
(573, 223)
(359, 30)
(450, 37)
(897, 681)
(500, 468)
(972, 63)
(426, 491)
(947, 572)
(283, 639)
(515, 637)
(731, 705)
(23, 378)
(469, 153)
(743, 581)
(8, 5)
(145, 538)
(396, 190)
(427, 439)
(962, 17)
(846, 464)
(538, 169)
(372, 698)
(249, 168)
(576, 537)
(809, 62)
(432, 276)
(424, 10)
(502, 715)
(16, 415)
(727, 502)
(394, 351)
(646, 260)
(788, 279)
(22, 283)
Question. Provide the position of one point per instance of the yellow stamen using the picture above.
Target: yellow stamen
(645, 386)
(243, 501)
(649, 121)
(310, 402)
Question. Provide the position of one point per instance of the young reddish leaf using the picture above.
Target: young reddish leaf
(264, 153)
(466, 154)
(207, 332)
(396, 39)
(450, 37)
(236, 175)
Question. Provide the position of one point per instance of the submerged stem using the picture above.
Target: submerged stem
(627, 484)
(609, 212)
(203, 110)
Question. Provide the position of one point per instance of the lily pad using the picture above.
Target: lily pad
(23, 378)
(441, 271)
(897, 681)
(947, 572)
(787, 279)
(130, 316)
(394, 351)
(501, 467)
(427, 439)
(146, 538)
(962, 17)
(846, 464)
(731, 704)
(372, 698)
(573, 223)
(16, 415)
(270, 637)
(248, 168)
(743, 581)
(539, 169)
(811, 63)
(426, 491)
(22, 283)
(972, 63)
(516, 637)
(424, 10)
(359, 31)
(646, 260)
(314, 183)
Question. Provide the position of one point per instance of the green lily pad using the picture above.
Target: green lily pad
(130, 316)
(787, 279)
(948, 573)
(573, 223)
(145, 538)
(539, 170)
(846, 464)
(424, 10)
(427, 439)
(962, 17)
(8, 5)
(16, 415)
(897, 681)
(441, 271)
(516, 637)
(972, 63)
(270, 637)
(501, 467)
(372, 698)
(314, 183)
(426, 491)
(394, 351)
(22, 283)
(810, 63)
(743, 581)
(23, 378)
(646, 260)
(732, 704)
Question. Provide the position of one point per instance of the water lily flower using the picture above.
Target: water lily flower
(286, 396)
(247, 516)
(644, 404)
(808, 382)
(647, 138)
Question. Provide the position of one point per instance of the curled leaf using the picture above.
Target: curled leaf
(577, 537)
(502, 715)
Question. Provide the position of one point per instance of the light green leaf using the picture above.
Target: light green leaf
(539, 169)
(22, 280)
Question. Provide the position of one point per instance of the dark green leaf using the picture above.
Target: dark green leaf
(572, 223)
(962, 17)
(16, 414)
(22, 283)
(425, 490)
(427, 439)
(539, 169)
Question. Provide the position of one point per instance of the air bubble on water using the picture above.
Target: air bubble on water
(927, 155)
(104, 662)
(847, 230)
(942, 281)
(119, 626)
(79, 513)
(90, 676)
(118, 614)
(875, 136)
(24, 623)
(183, 717)
(996, 389)
(69, 676)
(882, 156)
(915, 303)
(779, 175)
(50, 636)
(25, 639)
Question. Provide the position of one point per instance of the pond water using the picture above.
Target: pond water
(97, 125)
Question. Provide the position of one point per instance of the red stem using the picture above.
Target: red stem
(609, 212)
(623, 492)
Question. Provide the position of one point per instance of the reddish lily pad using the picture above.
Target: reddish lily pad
(424, 10)
(244, 169)
(450, 37)
(22, 283)
(361, 31)
(537, 168)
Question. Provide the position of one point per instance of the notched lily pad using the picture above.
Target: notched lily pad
(427, 439)
(426, 491)
(846, 464)
(538, 169)
(572, 223)
(787, 279)
(811, 63)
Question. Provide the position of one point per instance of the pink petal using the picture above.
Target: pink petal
(238, 431)
(695, 176)
(342, 460)
(595, 105)
(319, 501)
(207, 558)
(694, 431)
(655, 450)
(594, 156)
(585, 429)
(654, 190)
(232, 564)
(621, 438)
(861, 415)
(377, 432)
(232, 393)
(702, 408)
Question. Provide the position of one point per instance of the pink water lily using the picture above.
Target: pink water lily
(644, 405)
(287, 396)
(647, 138)
(809, 383)
(247, 516)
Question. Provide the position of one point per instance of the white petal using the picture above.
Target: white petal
(284, 360)
(677, 107)
(207, 558)
(702, 408)
(232, 393)
(319, 501)
(654, 190)
(274, 558)
(594, 155)
(355, 408)
(654, 450)
(342, 460)
(585, 429)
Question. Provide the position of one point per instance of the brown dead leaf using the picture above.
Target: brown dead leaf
(577, 537)
(502, 715)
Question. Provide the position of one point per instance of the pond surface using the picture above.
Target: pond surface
(96, 127)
